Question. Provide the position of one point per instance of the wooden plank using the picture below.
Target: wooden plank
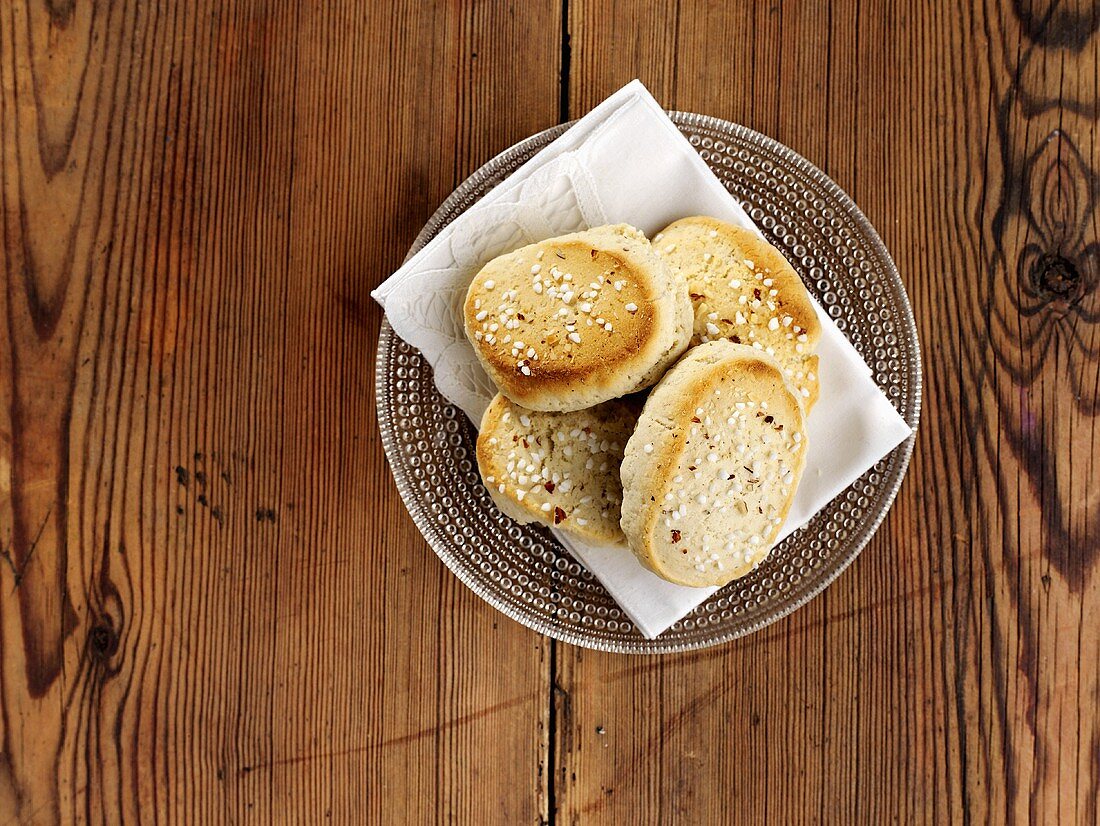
(213, 605)
(952, 672)
(217, 606)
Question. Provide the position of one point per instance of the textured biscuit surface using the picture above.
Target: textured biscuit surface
(560, 469)
(573, 321)
(742, 289)
(712, 467)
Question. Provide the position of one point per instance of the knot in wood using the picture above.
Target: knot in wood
(1055, 277)
(102, 642)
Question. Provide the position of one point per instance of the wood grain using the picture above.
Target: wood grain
(951, 675)
(213, 606)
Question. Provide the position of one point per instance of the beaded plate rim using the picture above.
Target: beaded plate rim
(545, 623)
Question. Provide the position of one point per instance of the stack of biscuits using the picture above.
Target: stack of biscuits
(698, 476)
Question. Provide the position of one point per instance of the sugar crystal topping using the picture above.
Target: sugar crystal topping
(732, 459)
(561, 309)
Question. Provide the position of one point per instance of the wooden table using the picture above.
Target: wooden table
(213, 606)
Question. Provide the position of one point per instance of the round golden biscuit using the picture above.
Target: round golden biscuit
(573, 321)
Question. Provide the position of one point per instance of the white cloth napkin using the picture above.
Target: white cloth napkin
(625, 161)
